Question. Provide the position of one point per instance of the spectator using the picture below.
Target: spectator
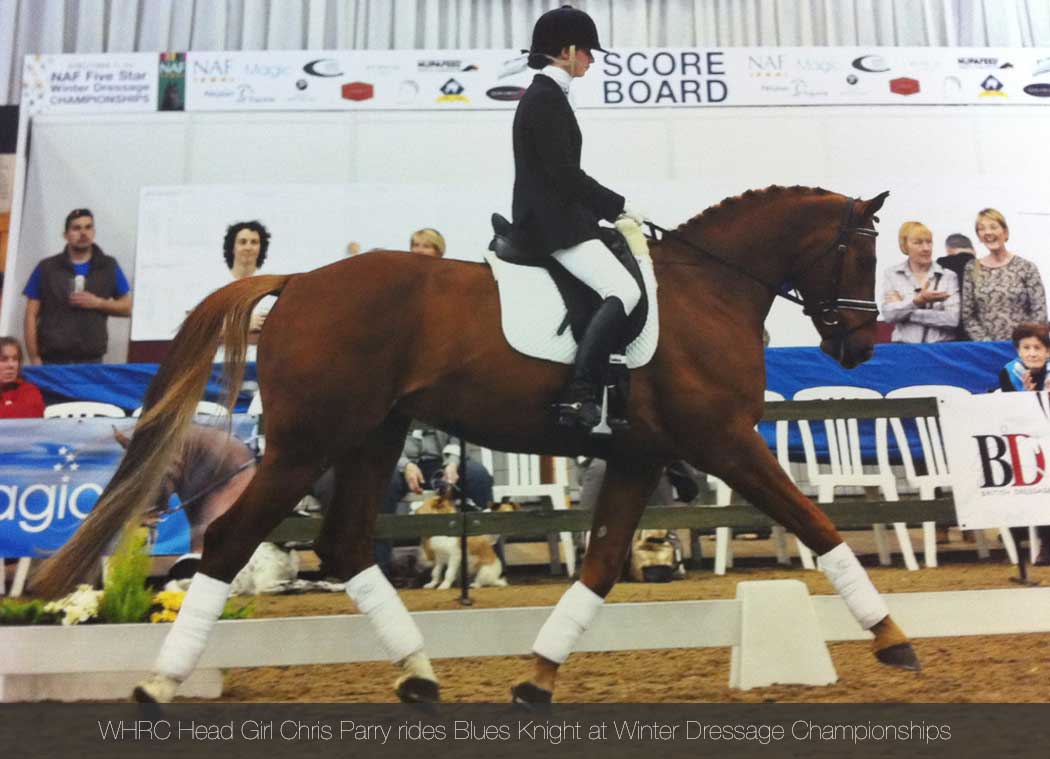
(1028, 372)
(1001, 289)
(919, 296)
(70, 296)
(244, 247)
(429, 242)
(958, 252)
(19, 399)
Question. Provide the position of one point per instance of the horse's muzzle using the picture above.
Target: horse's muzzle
(848, 354)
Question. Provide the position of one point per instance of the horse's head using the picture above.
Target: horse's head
(837, 280)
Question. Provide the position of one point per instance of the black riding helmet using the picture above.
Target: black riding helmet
(558, 29)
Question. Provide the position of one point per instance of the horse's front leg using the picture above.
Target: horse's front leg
(747, 465)
(622, 499)
(361, 478)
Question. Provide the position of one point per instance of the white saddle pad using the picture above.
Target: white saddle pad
(531, 311)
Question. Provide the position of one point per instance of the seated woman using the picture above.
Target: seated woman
(1028, 372)
(19, 399)
(920, 296)
(1001, 289)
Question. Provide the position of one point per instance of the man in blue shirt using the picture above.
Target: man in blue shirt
(70, 296)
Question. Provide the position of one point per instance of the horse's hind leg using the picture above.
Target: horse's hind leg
(361, 479)
(282, 479)
(622, 499)
(747, 465)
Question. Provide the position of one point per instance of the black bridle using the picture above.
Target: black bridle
(827, 309)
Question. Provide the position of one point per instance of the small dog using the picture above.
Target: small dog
(444, 550)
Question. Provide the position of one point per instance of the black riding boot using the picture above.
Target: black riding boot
(580, 404)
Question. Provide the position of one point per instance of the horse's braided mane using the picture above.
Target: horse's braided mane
(747, 198)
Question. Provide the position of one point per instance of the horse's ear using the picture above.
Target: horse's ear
(123, 439)
(875, 203)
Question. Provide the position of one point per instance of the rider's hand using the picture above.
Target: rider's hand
(637, 217)
(414, 478)
(452, 473)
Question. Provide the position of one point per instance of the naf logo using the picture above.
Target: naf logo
(1007, 461)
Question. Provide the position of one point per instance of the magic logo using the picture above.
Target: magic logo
(1010, 459)
(65, 493)
(34, 508)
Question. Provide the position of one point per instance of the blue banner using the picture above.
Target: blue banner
(52, 472)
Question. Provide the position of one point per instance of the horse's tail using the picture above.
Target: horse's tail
(169, 407)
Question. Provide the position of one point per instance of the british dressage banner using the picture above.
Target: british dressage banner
(996, 446)
(496, 79)
(52, 472)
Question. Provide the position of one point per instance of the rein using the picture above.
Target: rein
(826, 308)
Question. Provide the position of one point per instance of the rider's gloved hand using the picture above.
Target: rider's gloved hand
(637, 217)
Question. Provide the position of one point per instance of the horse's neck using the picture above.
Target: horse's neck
(742, 263)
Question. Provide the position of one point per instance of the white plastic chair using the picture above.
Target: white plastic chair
(523, 481)
(204, 408)
(847, 469)
(83, 410)
(937, 475)
(724, 495)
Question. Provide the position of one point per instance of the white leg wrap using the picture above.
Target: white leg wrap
(375, 597)
(185, 643)
(853, 584)
(571, 617)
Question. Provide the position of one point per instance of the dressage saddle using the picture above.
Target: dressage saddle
(580, 301)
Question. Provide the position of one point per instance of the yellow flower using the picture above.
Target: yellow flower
(162, 616)
(170, 599)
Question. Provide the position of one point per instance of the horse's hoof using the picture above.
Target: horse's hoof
(418, 690)
(156, 689)
(902, 656)
(531, 697)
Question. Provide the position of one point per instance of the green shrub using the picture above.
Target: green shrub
(20, 611)
(125, 597)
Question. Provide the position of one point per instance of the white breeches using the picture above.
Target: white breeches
(595, 265)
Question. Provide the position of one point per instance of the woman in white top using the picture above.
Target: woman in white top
(920, 297)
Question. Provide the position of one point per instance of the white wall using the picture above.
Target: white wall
(941, 163)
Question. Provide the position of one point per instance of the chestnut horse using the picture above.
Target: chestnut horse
(353, 351)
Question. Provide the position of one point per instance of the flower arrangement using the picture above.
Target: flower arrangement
(79, 606)
(124, 596)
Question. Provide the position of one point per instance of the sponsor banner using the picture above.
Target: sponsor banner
(51, 474)
(118, 82)
(629, 77)
(997, 449)
(496, 79)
